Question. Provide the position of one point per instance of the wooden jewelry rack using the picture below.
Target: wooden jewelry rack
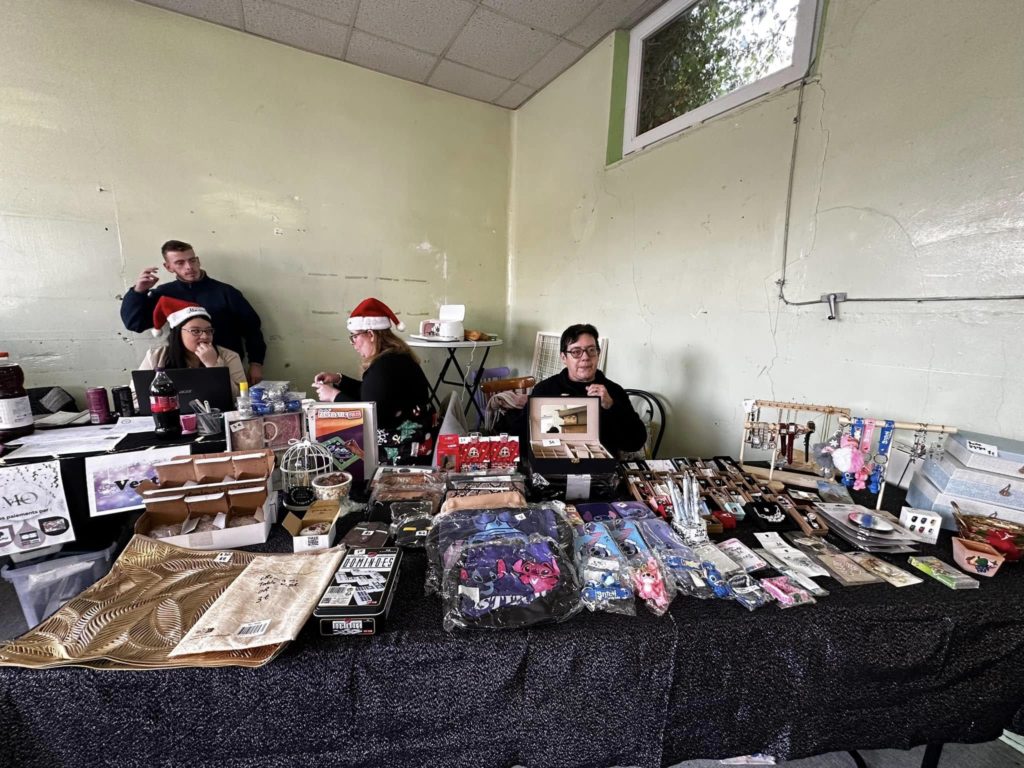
(787, 413)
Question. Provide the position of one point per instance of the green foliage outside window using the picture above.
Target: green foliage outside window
(711, 49)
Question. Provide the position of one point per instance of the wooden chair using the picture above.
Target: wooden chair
(494, 387)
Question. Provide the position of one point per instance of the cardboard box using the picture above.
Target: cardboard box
(185, 510)
(359, 597)
(325, 512)
(212, 473)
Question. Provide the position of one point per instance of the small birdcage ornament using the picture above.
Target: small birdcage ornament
(303, 461)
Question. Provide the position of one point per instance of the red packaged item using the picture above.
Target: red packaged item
(474, 453)
(447, 452)
(504, 451)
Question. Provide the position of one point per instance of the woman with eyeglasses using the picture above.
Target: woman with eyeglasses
(621, 429)
(393, 379)
(190, 343)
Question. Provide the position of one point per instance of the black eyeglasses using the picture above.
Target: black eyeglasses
(199, 331)
(353, 336)
(579, 352)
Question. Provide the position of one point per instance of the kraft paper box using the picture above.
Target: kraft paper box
(326, 512)
(185, 510)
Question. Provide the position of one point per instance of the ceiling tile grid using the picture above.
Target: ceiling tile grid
(498, 51)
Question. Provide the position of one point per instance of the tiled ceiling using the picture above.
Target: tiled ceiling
(498, 51)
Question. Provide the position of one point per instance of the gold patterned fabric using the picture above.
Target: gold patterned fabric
(134, 616)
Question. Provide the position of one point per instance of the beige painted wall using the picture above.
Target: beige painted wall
(306, 182)
(908, 182)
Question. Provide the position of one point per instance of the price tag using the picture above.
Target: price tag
(983, 449)
(236, 425)
(551, 442)
(222, 557)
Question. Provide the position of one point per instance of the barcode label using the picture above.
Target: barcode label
(253, 628)
(222, 557)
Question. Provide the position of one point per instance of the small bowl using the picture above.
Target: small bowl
(976, 557)
(334, 486)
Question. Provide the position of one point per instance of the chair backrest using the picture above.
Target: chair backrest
(487, 374)
(504, 385)
(652, 414)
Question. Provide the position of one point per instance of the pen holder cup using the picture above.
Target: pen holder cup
(210, 423)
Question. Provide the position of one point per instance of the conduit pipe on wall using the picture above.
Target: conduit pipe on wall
(833, 298)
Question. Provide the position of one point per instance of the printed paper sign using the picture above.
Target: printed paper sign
(111, 479)
(984, 449)
(33, 509)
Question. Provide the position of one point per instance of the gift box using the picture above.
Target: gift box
(987, 453)
(923, 494)
(565, 448)
(952, 476)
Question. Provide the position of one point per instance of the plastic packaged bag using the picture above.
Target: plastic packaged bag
(678, 560)
(605, 571)
(649, 581)
(509, 580)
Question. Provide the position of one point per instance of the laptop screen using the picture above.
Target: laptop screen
(212, 385)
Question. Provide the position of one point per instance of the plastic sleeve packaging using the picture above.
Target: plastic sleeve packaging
(455, 530)
(649, 580)
(678, 560)
(604, 571)
(786, 593)
(509, 579)
(411, 522)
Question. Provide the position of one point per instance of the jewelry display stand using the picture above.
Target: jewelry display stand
(780, 434)
(918, 450)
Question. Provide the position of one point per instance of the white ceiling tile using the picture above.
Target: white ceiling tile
(503, 47)
(514, 96)
(467, 82)
(559, 59)
(389, 58)
(292, 27)
(557, 17)
(611, 14)
(428, 25)
(338, 11)
(226, 12)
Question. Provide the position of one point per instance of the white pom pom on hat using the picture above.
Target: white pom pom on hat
(373, 315)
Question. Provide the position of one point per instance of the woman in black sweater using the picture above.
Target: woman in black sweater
(393, 379)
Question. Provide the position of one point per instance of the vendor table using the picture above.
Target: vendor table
(469, 384)
(866, 667)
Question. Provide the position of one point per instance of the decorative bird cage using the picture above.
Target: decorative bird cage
(302, 462)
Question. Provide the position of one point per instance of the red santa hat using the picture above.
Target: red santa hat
(373, 315)
(173, 312)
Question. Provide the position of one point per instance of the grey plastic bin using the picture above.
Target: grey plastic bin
(44, 587)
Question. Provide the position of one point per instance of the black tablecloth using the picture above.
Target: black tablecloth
(866, 667)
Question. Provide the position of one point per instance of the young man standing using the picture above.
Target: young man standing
(235, 321)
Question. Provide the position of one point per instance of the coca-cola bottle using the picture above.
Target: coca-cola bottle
(163, 402)
(15, 409)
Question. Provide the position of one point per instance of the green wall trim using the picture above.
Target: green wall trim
(617, 110)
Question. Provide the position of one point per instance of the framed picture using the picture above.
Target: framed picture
(111, 479)
(349, 432)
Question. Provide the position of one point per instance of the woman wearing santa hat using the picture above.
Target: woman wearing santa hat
(190, 343)
(392, 378)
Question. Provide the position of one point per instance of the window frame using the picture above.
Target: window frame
(803, 43)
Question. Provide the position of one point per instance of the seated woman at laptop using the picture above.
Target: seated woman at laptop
(393, 379)
(190, 343)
